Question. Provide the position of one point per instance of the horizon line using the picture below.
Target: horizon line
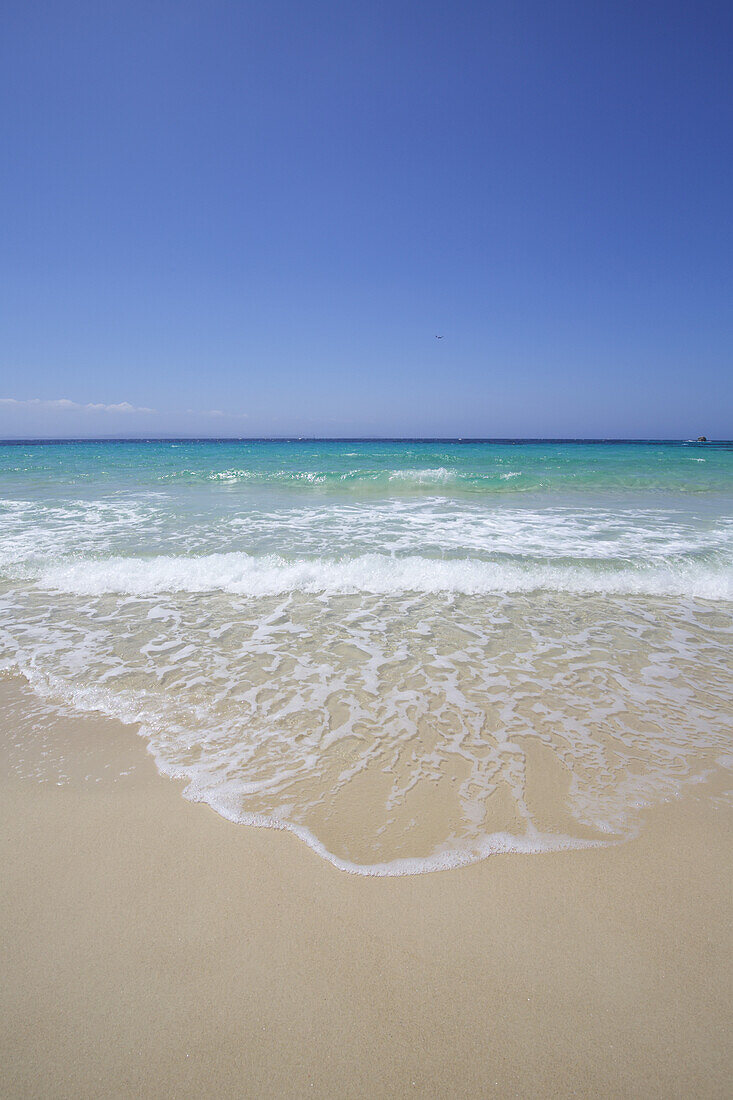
(25, 440)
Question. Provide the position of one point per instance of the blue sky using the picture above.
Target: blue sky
(253, 219)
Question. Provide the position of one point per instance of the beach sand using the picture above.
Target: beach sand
(151, 948)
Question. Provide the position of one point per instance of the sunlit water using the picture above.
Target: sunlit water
(411, 654)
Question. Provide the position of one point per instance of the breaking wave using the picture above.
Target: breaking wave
(270, 575)
(411, 656)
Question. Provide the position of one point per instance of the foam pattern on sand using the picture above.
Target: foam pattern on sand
(421, 726)
(407, 683)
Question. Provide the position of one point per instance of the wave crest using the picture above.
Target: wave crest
(378, 574)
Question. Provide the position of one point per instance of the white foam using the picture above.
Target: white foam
(54, 533)
(440, 475)
(378, 574)
(446, 859)
(238, 700)
(257, 676)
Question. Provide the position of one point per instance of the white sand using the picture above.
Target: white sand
(151, 948)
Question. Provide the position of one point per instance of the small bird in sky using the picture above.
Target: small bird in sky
(438, 337)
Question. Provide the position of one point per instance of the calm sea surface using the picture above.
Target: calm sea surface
(412, 654)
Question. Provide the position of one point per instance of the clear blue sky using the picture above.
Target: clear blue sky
(254, 218)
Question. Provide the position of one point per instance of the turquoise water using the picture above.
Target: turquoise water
(369, 642)
(363, 468)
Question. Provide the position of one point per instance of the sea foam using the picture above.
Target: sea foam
(268, 575)
(409, 655)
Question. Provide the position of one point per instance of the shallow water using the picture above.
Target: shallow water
(412, 654)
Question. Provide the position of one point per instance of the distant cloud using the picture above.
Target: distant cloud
(63, 403)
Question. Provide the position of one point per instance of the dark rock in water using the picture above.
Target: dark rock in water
(702, 439)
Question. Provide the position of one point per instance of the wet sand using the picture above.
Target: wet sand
(150, 948)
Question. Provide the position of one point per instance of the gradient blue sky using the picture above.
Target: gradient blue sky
(253, 219)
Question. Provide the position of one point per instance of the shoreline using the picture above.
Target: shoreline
(153, 948)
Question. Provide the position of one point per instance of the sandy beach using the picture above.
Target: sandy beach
(150, 948)
(366, 551)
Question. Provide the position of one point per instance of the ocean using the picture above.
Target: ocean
(412, 654)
